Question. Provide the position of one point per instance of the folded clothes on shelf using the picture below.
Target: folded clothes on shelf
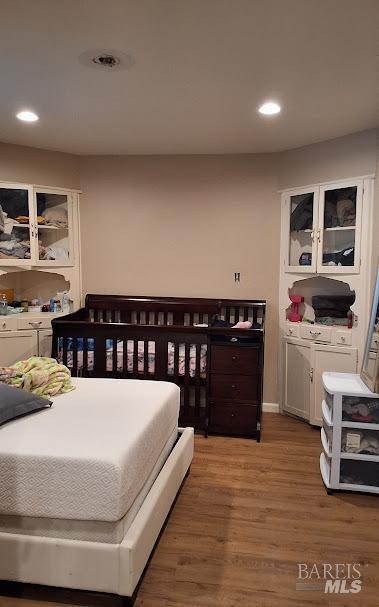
(360, 441)
(363, 411)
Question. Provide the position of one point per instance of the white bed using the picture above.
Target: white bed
(85, 486)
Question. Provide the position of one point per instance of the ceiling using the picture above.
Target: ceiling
(202, 67)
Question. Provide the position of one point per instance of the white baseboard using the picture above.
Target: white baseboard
(270, 407)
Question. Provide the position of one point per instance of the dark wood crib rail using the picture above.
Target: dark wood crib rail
(164, 324)
(172, 310)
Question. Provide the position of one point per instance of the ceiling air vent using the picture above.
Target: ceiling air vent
(107, 60)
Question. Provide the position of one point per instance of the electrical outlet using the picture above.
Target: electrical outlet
(237, 277)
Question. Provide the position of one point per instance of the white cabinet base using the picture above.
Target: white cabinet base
(17, 345)
(304, 364)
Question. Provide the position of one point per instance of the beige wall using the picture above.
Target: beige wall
(182, 226)
(345, 157)
(30, 165)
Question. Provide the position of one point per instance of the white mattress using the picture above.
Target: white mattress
(87, 457)
(109, 532)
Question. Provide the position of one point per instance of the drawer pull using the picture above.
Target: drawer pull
(234, 387)
(233, 414)
(234, 357)
(315, 333)
(34, 323)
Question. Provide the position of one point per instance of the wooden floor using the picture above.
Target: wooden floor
(246, 516)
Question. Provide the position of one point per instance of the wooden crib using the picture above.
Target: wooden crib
(219, 370)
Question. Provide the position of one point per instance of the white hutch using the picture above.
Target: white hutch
(326, 249)
(39, 256)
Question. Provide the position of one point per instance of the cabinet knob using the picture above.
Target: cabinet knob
(4, 325)
(234, 387)
(35, 323)
(234, 357)
(233, 414)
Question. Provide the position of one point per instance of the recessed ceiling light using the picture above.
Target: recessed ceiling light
(27, 116)
(269, 108)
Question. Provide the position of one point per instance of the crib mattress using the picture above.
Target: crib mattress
(109, 532)
(88, 457)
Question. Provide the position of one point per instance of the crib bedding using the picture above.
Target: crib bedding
(89, 456)
(108, 532)
(130, 355)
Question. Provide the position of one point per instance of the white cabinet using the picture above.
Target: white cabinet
(37, 226)
(297, 362)
(322, 228)
(45, 338)
(304, 364)
(17, 345)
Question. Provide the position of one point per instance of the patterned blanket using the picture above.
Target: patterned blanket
(38, 374)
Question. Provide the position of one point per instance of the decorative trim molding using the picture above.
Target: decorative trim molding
(270, 407)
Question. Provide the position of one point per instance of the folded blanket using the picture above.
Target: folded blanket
(39, 374)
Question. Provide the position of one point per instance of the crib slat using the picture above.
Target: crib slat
(197, 379)
(246, 314)
(176, 361)
(114, 357)
(85, 357)
(186, 376)
(74, 371)
(145, 358)
(227, 314)
(125, 316)
(255, 315)
(124, 357)
(64, 348)
(135, 358)
(99, 356)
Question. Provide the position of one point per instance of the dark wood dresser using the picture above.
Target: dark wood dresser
(235, 391)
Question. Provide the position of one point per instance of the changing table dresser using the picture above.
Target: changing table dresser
(236, 377)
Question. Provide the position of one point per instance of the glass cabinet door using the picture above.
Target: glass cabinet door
(53, 228)
(302, 209)
(15, 225)
(339, 228)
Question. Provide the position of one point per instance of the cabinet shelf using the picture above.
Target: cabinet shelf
(360, 425)
(360, 456)
(341, 229)
(40, 227)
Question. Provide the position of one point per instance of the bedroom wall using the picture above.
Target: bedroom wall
(182, 226)
(42, 167)
(350, 156)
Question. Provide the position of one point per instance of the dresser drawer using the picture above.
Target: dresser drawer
(34, 323)
(293, 330)
(234, 359)
(7, 323)
(233, 419)
(316, 333)
(343, 338)
(235, 387)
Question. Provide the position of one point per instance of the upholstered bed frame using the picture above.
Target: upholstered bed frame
(100, 567)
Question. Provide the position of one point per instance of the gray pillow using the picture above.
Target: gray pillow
(15, 402)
